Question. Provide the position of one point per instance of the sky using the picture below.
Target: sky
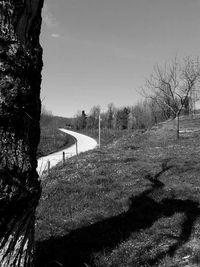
(98, 52)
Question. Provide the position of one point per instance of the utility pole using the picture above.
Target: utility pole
(99, 128)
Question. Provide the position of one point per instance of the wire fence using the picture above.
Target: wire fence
(45, 164)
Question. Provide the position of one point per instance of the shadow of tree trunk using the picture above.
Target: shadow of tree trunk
(76, 248)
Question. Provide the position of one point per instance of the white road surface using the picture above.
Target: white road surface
(84, 143)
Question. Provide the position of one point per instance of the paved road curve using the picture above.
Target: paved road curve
(84, 143)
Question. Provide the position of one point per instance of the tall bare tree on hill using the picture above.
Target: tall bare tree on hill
(20, 78)
(171, 87)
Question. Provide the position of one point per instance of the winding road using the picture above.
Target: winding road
(84, 143)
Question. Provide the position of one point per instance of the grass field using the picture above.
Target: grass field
(134, 202)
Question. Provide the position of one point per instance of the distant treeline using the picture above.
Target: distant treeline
(141, 116)
(170, 91)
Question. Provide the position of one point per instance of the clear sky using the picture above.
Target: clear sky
(101, 51)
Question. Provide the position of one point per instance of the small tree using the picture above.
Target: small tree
(142, 115)
(121, 118)
(80, 120)
(131, 120)
(157, 113)
(170, 87)
(83, 119)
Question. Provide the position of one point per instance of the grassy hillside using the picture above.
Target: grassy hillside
(107, 135)
(51, 139)
(135, 203)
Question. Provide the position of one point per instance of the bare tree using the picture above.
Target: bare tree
(93, 118)
(170, 87)
(20, 78)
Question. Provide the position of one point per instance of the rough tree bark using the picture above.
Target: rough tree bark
(20, 78)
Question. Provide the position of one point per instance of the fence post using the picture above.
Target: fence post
(63, 158)
(76, 148)
(48, 166)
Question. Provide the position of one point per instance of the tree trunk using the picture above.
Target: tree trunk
(20, 79)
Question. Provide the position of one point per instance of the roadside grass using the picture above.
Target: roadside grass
(132, 203)
(51, 139)
(107, 135)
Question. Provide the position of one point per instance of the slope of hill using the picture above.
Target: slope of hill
(135, 203)
(51, 139)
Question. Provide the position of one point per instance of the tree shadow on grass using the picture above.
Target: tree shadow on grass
(191, 212)
(76, 248)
